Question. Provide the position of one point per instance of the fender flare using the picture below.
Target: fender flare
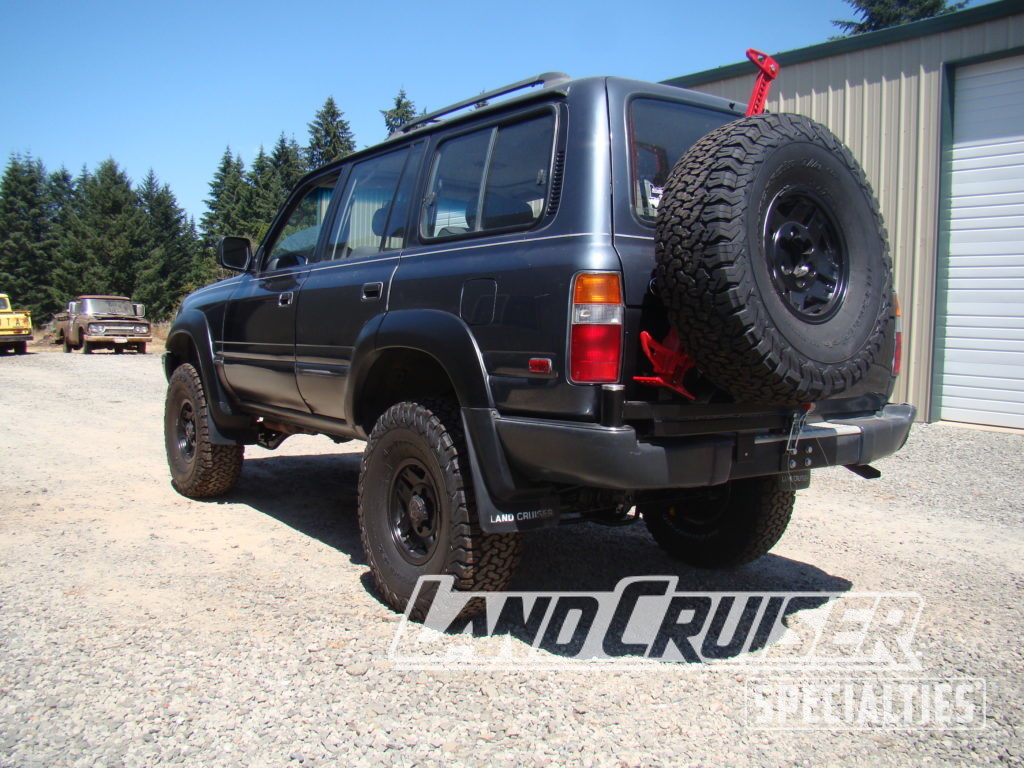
(441, 335)
(191, 329)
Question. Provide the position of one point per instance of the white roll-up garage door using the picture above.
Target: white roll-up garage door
(982, 366)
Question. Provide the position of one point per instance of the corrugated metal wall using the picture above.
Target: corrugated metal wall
(885, 102)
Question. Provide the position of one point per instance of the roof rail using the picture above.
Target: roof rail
(546, 79)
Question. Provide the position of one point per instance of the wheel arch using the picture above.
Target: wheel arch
(416, 353)
(190, 341)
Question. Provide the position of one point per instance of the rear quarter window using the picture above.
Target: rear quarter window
(660, 133)
(489, 180)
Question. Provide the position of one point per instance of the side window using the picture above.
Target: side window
(366, 223)
(660, 133)
(295, 242)
(489, 180)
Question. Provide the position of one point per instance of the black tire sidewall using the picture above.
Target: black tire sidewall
(181, 389)
(383, 460)
(806, 165)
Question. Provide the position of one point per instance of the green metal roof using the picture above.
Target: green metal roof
(934, 25)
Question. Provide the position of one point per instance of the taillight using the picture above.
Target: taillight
(595, 341)
(897, 355)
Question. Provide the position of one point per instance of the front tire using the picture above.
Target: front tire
(417, 515)
(199, 468)
(722, 526)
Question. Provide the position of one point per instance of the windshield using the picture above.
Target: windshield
(108, 307)
(5, 305)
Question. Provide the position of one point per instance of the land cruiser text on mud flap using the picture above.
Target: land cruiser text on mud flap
(520, 348)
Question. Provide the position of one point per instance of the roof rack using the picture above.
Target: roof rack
(546, 79)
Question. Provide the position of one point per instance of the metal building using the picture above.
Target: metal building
(934, 110)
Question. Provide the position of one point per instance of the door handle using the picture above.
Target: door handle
(284, 299)
(372, 291)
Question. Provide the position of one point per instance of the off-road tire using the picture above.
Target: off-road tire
(723, 526)
(207, 469)
(427, 436)
(723, 233)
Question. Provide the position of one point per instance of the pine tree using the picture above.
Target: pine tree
(879, 14)
(402, 112)
(167, 270)
(286, 157)
(105, 240)
(224, 213)
(330, 136)
(26, 236)
(263, 195)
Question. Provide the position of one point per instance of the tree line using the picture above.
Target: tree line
(97, 232)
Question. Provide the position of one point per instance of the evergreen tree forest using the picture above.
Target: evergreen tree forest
(99, 232)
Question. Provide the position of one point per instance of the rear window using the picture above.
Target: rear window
(660, 133)
(489, 180)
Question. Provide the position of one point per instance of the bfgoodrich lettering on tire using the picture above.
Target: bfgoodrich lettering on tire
(416, 510)
(773, 262)
(199, 468)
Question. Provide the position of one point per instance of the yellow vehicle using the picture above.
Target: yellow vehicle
(15, 327)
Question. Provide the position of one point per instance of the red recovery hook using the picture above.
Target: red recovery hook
(768, 70)
(670, 363)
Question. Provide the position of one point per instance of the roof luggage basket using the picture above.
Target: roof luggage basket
(546, 79)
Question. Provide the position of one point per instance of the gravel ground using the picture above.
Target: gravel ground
(139, 628)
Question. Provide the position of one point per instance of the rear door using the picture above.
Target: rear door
(349, 285)
(258, 349)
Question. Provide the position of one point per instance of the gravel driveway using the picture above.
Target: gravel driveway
(139, 628)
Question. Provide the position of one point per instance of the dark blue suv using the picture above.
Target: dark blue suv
(593, 299)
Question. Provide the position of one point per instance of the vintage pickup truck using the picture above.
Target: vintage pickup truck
(15, 327)
(103, 322)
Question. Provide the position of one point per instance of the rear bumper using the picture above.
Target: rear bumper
(11, 338)
(614, 457)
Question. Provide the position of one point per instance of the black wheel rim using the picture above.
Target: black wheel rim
(185, 430)
(414, 512)
(807, 258)
(700, 515)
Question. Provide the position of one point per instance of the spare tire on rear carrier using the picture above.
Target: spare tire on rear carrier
(772, 261)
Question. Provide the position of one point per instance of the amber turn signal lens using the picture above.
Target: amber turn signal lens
(598, 288)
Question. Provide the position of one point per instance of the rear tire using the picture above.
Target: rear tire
(199, 468)
(21, 348)
(417, 515)
(724, 525)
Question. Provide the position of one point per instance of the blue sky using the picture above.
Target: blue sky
(168, 85)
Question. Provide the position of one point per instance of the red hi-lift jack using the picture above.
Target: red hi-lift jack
(670, 362)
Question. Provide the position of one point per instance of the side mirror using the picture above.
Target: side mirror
(71, 307)
(140, 310)
(234, 253)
